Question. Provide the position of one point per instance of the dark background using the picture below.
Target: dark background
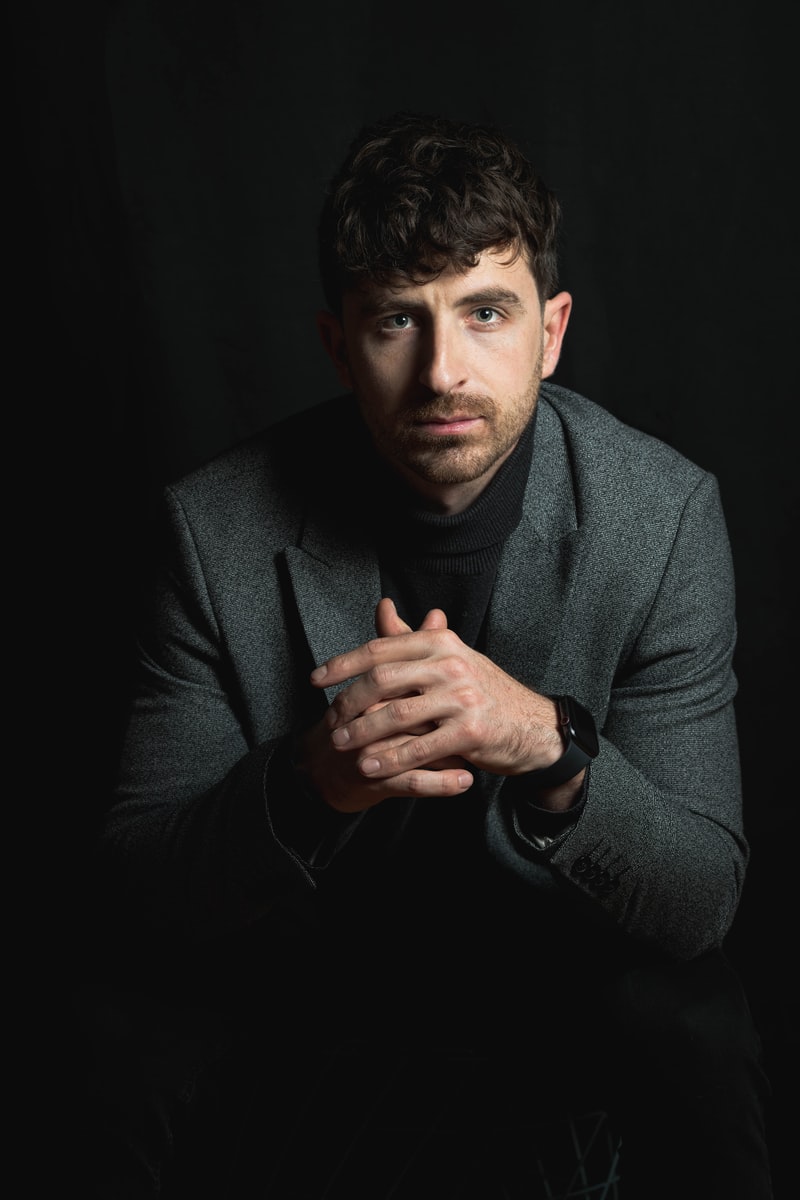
(168, 162)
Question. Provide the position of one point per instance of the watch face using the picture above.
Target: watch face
(581, 727)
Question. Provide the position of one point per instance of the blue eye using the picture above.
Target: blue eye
(398, 321)
(485, 315)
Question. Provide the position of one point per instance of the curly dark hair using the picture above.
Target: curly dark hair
(417, 194)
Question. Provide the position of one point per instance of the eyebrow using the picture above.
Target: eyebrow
(492, 295)
(488, 296)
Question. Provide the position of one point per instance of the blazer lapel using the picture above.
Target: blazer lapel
(538, 564)
(336, 585)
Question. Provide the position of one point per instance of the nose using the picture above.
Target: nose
(443, 366)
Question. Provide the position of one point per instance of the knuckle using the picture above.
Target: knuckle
(416, 750)
(413, 783)
(376, 648)
(455, 667)
(443, 779)
(401, 709)
(380, 675)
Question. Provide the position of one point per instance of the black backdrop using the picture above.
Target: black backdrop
(168, 161)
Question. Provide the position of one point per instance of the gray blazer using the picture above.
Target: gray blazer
(616, 587)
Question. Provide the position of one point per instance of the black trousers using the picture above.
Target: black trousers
(438, 1081)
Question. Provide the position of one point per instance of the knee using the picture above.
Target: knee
(689, 1017)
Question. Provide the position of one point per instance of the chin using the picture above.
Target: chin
(451, 468)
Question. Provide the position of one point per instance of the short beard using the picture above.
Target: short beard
(454, 459)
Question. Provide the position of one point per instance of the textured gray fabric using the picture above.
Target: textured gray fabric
(616, 587)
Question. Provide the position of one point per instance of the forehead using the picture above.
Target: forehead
(498, 275)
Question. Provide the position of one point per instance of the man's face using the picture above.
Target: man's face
(447, 373)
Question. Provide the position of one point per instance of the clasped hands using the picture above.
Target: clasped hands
(421, 710)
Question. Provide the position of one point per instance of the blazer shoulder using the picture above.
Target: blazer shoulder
(605, 448)
(297, 440)
(273, 472)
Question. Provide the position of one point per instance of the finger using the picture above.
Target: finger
(385, 759)
(375, 652)
(447, 782)
(435, 619)
(409, 713)
(387, 621)
(449, 777)
(390, 743)
(401, 684)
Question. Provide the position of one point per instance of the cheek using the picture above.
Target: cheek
(507, 370)
(508, 358)
(382, 379)
(525, 364)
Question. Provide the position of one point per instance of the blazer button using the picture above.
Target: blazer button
(581, 865)
(609, 884)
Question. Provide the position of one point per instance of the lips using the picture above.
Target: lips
(456, 417)
(460, 423)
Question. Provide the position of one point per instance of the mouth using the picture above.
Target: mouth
(449, 425)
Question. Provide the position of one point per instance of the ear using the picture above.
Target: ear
(332, 336)
(555, 318)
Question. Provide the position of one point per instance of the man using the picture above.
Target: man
(432, 757)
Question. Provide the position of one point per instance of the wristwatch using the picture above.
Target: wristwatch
(581, 744)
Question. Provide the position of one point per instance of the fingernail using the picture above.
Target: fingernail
(340, 737)
(370, 765)
(464, 781)
(319, 673)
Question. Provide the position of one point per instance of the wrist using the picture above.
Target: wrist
(579, 745)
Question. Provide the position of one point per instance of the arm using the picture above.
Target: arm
(189, 840)
(659, 849)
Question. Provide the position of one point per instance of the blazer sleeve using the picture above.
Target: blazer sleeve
(187, 841)
(658, 850)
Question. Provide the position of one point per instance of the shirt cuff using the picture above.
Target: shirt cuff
(541, 826)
